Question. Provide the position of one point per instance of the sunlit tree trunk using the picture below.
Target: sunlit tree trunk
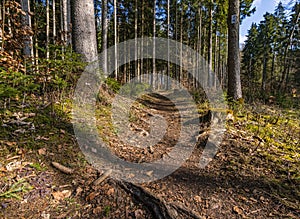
(54, 21)
(234, 81)
(181, 44)
(65, 22)
(84, 29)
(47, 29)
(153, 82)
(104, 34)
(28, 42)
(142, 36)
(116, 39)
(210, 49)
(168, 35)
(2, 17)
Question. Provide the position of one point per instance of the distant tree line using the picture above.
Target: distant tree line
(39, 35)
(271, 54)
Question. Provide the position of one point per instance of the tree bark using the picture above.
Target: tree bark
(168, 35)
(210, 49)
(54, 21)
(116, 39)
(104, 34)
(234, 81)
(28, 42)
(47, 29)
(153, 81)
(84, 29)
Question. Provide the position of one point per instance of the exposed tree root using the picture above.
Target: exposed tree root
(157, 206)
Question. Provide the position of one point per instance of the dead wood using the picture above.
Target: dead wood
(102, 177)
(62, 168)
(157, 206)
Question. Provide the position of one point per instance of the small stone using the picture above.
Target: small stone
(237, 210)
(197, 198)
(97, 210)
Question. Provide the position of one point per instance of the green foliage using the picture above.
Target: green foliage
(18, 187)
(107, 210)
(13, 84)
(53, 75)
(134, 89)
(37, 166)
(276, 134)
(60, 72)
(113, 84)
(198, 96)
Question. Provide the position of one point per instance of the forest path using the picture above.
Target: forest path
(240, 182)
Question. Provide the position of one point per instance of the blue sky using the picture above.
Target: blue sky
(262, 6)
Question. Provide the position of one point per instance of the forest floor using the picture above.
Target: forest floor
(255, 173)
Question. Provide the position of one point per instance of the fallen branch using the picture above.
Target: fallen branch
(62, 168)
(102, 177)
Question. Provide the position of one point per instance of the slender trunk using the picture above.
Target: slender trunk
(28, 42)
(54, 21)
(210, 49)
(104, 34)
(234, 81)
(116, 39)
(69, 31)
(272, 71)
(219, 63)
(65, 22)
(264, 73)
(3, 24)
(215, 56)
(36, 56)
(142, 36)
(9, 23)
(176, 38)
(135, 39)
(181, 43)
(153, 82)
(47, 29)
(168, 35)
(200, 29)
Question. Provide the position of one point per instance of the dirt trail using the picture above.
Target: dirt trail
(229, 187)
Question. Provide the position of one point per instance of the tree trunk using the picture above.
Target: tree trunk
(1, 29)
(234, 81)
(84, 30)
(116, 39)
(69, 31)
(168, 35)
(210, 49)
(65, 29)
(47, 29)
(142, 36)
(136, 68)
(153, 80)
(104, 34)
(181, 45)
(54, 21)
(28, 42)
(264, 73)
